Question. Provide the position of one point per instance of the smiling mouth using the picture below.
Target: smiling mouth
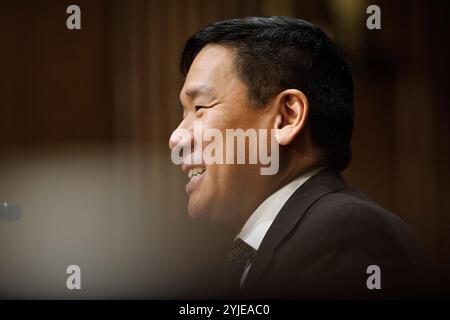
(195, 176)
(194, 172)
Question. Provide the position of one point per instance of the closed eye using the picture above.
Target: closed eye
(197, 108)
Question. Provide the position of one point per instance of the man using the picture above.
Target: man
(301, 233)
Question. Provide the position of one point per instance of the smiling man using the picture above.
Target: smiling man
(301, 232)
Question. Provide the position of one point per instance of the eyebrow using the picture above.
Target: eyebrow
(193, 92)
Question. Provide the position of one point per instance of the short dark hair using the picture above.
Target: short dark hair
(273, 54)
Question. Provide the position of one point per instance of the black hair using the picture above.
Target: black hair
(273, 54)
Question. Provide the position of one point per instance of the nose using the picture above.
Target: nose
(182, 138)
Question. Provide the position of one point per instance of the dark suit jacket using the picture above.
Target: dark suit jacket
(323, 240)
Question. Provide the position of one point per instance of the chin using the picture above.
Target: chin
(197, 211)
(203, 212)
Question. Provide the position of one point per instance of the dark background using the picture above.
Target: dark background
(85, 117)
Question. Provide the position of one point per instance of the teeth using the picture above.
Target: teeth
(195, 171)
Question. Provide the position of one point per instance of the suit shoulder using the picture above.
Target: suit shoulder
(352, 216)
(350, 204)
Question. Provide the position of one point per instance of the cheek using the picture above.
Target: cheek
(222, 120)
(216, 184)
(228, 116)
(226, 180)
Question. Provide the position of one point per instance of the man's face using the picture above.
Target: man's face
(214, 94)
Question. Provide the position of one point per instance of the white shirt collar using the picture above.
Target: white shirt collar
(258, 224)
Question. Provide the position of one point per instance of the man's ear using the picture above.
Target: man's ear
(293, 110)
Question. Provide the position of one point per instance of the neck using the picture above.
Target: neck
(267, 185)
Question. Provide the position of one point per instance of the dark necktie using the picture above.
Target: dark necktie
(240, 255)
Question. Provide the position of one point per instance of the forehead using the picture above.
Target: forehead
(212, 70)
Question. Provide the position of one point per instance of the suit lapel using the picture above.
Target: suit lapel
(289, 216)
